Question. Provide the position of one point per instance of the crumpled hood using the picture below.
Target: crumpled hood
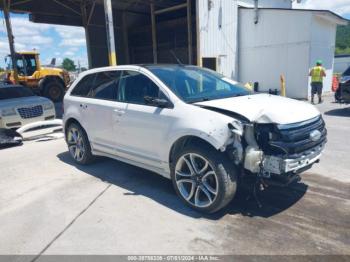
(265, 108)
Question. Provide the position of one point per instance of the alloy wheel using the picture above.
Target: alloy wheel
(196, 180)
(76, 144)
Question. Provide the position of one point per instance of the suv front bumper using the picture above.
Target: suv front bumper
(279, 165)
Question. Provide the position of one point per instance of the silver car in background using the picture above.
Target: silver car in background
(20, 106)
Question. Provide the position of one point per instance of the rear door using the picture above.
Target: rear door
(104, 111)
(78, 100)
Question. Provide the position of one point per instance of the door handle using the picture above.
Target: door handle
(83, 106)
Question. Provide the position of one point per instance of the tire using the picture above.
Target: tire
(54, 90)
(78, 144)
(217, 177)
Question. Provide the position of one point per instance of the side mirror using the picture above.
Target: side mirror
(158, 102)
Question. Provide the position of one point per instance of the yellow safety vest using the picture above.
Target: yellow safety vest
(316, 74)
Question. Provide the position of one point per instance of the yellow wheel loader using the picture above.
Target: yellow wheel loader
(46, 81)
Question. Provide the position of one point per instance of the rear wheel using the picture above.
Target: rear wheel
(204, 178)
(78, 144)
(54, 90)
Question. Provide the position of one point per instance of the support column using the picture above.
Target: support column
(189, 31)
(10, 38)
(126, 38)
(110, 33)
(87, 37)
(154, 34)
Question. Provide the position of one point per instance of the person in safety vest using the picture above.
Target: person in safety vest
(317, 74)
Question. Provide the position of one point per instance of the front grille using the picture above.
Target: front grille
(30, 112)
(292, 140)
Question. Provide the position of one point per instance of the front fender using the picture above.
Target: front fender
(216, 136)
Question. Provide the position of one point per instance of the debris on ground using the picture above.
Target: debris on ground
(9, 138)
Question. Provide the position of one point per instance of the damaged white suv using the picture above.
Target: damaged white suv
(192, 125)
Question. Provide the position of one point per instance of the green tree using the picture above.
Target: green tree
(343, 40)
(68, 64)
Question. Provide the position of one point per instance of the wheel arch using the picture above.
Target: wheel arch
(184, 141)
(47, 79)
(70, 121)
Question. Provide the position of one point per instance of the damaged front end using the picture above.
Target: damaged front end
(278, 153)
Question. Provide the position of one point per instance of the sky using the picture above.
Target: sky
(68, 41)
(49, 40)
(341, 7)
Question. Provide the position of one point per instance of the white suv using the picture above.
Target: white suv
(192, 125)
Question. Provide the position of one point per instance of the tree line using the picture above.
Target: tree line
(343, 40)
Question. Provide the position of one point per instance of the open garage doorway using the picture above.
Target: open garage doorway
(172, 37)
(146, 31)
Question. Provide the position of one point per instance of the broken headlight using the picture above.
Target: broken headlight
(265, 135)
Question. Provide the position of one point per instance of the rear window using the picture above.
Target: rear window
(84, 86)
(105, 86)
(15, 92)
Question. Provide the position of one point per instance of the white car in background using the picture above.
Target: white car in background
(20, 106)
(192, 125)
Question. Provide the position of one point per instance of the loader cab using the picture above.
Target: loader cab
(26, 63)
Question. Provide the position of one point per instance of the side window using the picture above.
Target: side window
(135, 86)
(84, 86)
(20, 67)
(106, 85)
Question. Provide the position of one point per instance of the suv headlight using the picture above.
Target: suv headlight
(8, 112)
(48, 106)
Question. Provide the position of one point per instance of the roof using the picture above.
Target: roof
(324, 13)
(69, 12)
(27, 52)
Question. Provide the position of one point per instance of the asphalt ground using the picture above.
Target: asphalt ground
(49, 205)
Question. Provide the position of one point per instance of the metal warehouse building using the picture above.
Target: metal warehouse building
(244, 39)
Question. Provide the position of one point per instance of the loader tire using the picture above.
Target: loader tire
(54, 90)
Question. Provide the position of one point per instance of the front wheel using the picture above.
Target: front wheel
(204, 178)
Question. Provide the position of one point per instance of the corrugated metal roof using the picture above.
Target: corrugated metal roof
(328, 12)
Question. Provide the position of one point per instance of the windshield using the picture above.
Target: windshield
(194, 84)
(14, 92)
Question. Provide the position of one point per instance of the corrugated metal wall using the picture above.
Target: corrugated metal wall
(284, 42)
(278, 45)
(322, 44)
(217, 27)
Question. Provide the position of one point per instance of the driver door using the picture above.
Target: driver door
(143, 128)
